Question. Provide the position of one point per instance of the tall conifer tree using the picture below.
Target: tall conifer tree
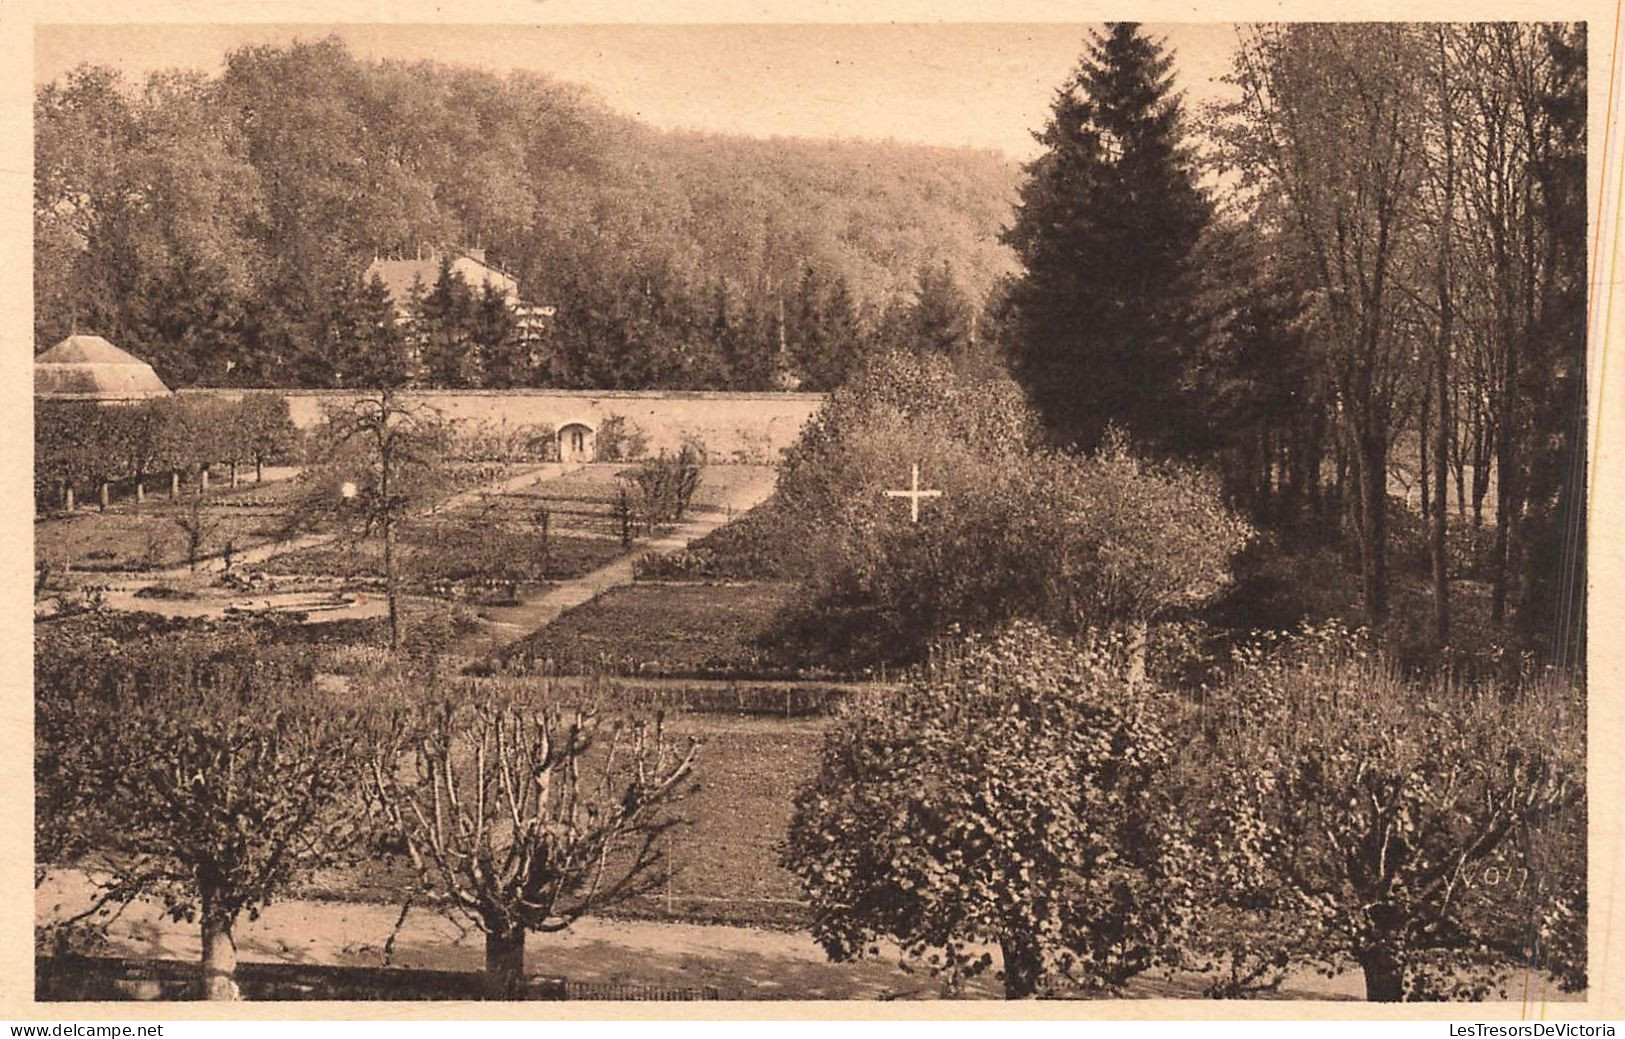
(1106, 223)
(445, 323)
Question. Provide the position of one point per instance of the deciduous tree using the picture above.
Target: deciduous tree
(383, 457)
(1365, 812)
(229, 778)
(524, 813)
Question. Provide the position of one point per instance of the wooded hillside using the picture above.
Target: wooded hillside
(219, 226)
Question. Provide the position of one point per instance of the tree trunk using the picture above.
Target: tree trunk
(547, 546)
(1481, 487)
(1425, 428)
(203, 479)
(140, 490)
(1023, 968)
(234, 474)
(1441, 505)
(1373, 520)
(174, 484)
(505, 964)
(1441, 362)
(389, 586)
(259, 470)
(1340, 469)
(1505, 492)
(1138, 639)
(1265, 486)
(104, 495)
(1317, 434)
(1500, 563)
(219, 959)
(1384, 978)
(67, 498)
(1458, 464)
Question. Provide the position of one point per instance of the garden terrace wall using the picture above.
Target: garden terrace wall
(74, 978)
(752, 427)
(117, 978)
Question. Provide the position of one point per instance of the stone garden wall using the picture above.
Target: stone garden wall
(732, 426)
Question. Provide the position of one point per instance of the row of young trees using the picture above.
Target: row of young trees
(217, 225)
(1020, 794)
(235, 776)
(87, 445)
(1391, 267)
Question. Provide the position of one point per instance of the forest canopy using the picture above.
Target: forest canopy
(219, 226)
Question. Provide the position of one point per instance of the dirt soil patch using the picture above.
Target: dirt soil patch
(669, 629)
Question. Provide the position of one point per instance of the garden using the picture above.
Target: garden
(1260, 805)
(384, 514)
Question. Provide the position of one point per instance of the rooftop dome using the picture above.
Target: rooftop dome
(91, 368)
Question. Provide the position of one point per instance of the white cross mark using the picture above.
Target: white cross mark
(914, 494)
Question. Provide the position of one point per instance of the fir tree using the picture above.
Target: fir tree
(370, 347)
(1554, 565)
(504, 355)
(1106, 223)
(444, 320)
(824, 331)
(939, 322)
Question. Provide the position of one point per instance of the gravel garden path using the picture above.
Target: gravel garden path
(506, 624)
(742, 962)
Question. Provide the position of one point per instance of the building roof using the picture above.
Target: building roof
(399, 275)
(91, 368)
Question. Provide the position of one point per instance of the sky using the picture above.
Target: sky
(978, 85)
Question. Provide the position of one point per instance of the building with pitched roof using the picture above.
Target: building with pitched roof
(89, 368)
(401, 276)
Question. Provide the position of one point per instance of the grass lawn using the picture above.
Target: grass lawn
(675, 629)
(717, 481)
(146, 538)
(726, 862)
(725, 858)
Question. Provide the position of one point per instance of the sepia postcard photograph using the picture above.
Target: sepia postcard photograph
(813, 512)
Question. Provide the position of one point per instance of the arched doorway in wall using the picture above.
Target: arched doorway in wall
(575, 443)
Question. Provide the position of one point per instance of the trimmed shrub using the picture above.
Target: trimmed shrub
(1010, 795)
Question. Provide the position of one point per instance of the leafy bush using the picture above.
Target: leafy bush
(1011, 795)
(619, 439)
(893, 412)
(660, 489)
(1074, 542)
(480, 441)
(164, 591)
